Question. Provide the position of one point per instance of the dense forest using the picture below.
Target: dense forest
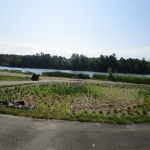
(77, 62)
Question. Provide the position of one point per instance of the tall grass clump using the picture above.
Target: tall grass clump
(99, 77)
(28, 72)
(131, 79)
(66, 75)
(16, 71)
(119, 78)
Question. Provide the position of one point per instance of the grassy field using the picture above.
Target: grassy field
(113, 103)
(14, 78)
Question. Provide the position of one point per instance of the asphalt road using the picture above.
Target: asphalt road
(18, 133)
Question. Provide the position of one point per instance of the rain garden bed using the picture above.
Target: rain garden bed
(79, 101)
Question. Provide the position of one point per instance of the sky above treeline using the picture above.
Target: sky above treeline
(64, 27)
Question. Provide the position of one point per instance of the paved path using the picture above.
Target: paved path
(25, 82)
(18, 133)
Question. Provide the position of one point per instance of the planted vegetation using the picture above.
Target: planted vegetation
(82, 101)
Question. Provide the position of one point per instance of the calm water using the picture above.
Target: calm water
(39, 71)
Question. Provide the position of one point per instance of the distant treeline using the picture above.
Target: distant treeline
(77, 62)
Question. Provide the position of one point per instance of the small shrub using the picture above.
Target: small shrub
(138, 113)
(128, 108)
(123, 114)
(144, 111)
(115, 111)
(134, 106)
(100, 112)
(93, 112)
(120, 111)
(108, 112)
(129, 111)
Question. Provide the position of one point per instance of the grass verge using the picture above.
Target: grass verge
(14, 78)
(16, 71)
(89, 117)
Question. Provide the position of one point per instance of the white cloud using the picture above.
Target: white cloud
(7, 47)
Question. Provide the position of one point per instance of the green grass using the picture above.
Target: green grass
(14, 78)
(119, 78)
(110, 103)
(66, 75)
(89, 117)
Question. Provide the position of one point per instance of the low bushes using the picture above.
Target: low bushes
(66, 75)
(119, 78)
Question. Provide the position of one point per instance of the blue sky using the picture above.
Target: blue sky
(64, 27)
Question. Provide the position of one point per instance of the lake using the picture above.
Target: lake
(39, 71)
